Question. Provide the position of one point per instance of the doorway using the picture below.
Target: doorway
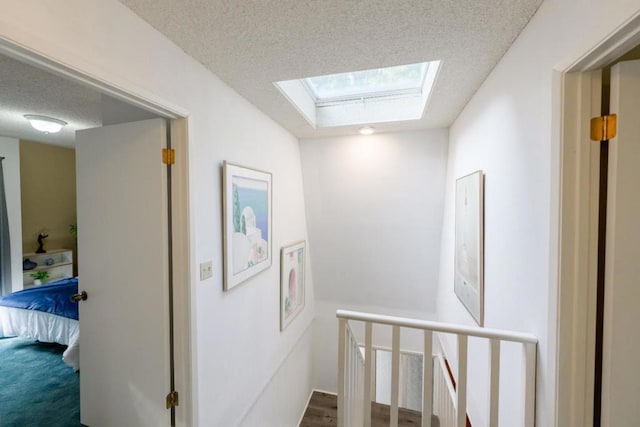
(582, 318)
(175, 129)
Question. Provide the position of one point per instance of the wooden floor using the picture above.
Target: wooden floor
(323, 409)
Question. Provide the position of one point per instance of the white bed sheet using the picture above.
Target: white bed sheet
(45, 327)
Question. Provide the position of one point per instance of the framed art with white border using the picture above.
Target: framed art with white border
(469, 244)
(247, 233)
(292, 282)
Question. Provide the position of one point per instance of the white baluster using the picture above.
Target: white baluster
(461, 389)
(494, 382)
(368, 365)
(395, 375)
(342, 363)
(427, 379)
(529, 351)
(356, 379)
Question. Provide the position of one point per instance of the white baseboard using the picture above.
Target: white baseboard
(324, 391)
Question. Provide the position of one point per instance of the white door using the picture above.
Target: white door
(621, 334)
(122, 265)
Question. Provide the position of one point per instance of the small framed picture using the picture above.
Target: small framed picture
(247, 233)
(469, 244)
(292, 282)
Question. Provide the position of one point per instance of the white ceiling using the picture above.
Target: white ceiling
(25, 89)
(252, 43)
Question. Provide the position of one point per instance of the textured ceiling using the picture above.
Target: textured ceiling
(28, 90)
(252, 43)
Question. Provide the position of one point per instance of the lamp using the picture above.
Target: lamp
(45, 124)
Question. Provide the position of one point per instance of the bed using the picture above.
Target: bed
(44, 313)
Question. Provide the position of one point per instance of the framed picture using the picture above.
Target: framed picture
(247, 233)
(292, 278)
(469, 244)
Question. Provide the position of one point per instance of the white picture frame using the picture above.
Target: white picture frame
(469, 244)
(247, 231)
(292, 282)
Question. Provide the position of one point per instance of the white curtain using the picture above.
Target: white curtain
(5, 245)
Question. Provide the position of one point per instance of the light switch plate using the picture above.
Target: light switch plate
(206, 270)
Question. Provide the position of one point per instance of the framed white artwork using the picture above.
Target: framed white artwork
(469, 244)
(292, 282)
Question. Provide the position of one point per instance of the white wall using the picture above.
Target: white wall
(508, 131)
(292, 382)
(374, 209)
(238, 346)
(10, 150)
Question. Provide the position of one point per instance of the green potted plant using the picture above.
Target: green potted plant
(40, 277)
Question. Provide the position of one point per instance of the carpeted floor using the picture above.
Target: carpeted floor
(36, 387)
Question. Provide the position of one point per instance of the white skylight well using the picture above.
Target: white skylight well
(399, 80)
(379, 95)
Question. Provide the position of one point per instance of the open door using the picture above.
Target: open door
(621, 339)
(125, 372)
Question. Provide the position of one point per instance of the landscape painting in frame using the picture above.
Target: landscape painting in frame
(247, 223)
(292, 277)
(469, 244)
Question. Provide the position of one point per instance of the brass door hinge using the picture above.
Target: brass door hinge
(172, 400)
(604, 128)
(168, 156)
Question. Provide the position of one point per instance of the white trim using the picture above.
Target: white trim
(325, 391)
(126, 93)
(184, 347)
(577, 251)
(620, 41)
(575, 299)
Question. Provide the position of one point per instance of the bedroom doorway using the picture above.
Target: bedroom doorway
(111, 222)
(599, 207)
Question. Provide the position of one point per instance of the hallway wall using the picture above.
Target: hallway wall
(108, 41)
(374, 207)
(510, 130)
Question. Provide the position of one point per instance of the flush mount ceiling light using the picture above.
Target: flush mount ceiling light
(377, 95)
(45, 124)
(367, 130)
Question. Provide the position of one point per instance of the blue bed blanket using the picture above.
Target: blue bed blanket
(52, 298)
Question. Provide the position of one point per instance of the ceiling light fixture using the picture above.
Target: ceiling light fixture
(367, 130)
(45, 124)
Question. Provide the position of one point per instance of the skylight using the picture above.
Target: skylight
(398, 80)
(378, 95)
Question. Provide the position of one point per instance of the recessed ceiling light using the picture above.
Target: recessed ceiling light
(367, 130)
(45, 124)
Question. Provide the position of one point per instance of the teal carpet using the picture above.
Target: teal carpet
(36, 387)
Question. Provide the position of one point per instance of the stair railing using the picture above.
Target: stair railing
(355, 370)
(353, 367)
